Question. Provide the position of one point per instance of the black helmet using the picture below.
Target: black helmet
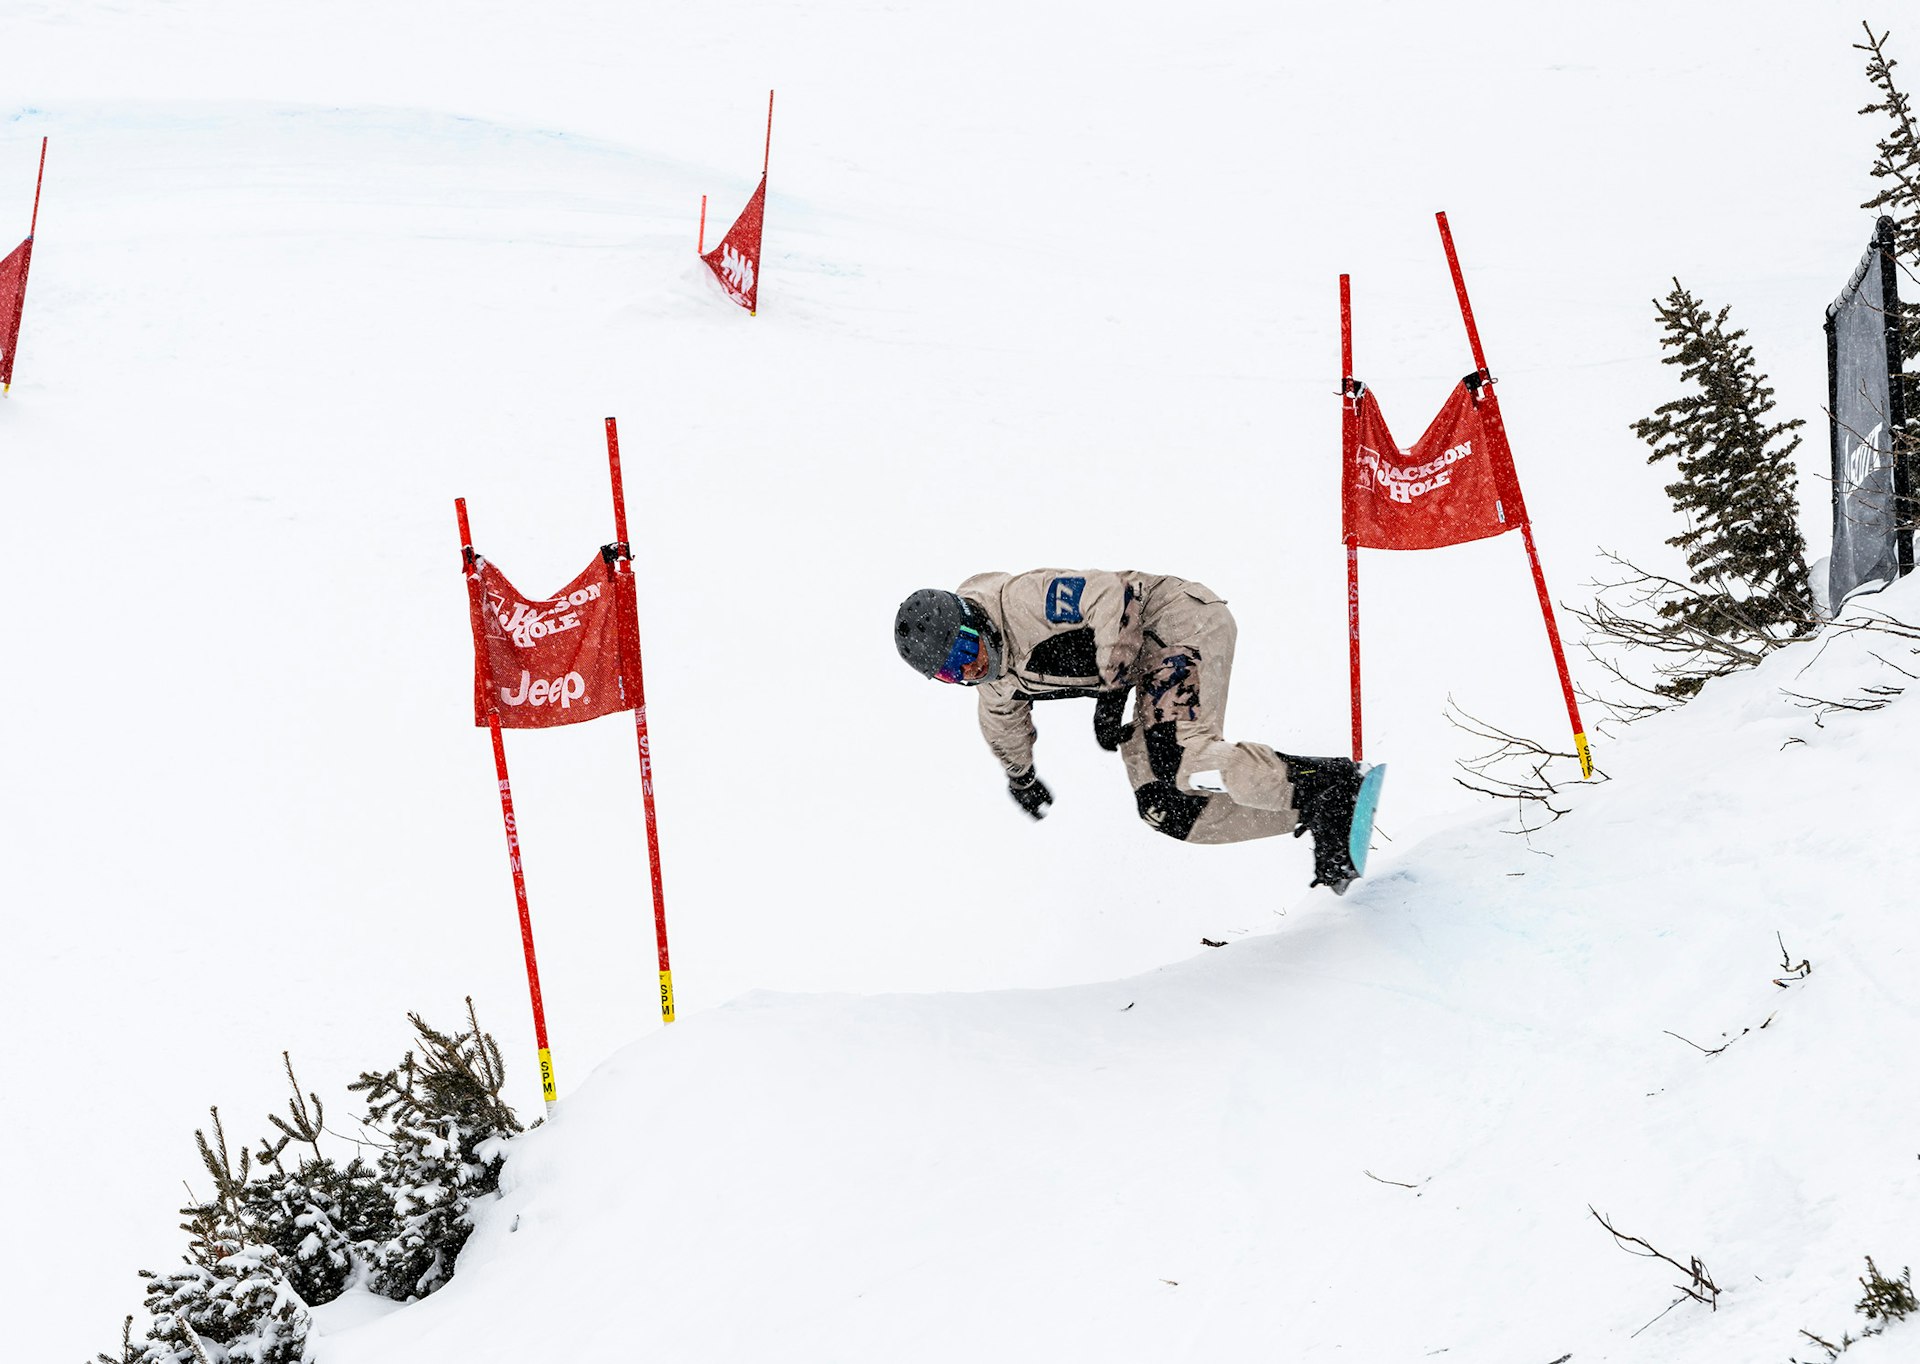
(928, 622)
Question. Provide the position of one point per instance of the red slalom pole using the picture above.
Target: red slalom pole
(1460, 289)
(623, 568)
(1526, 526)
(701, 248)
(11, 324)
(469, 567)
(766, 158)
(36, 188)
(1349, 438)
(1559, 655)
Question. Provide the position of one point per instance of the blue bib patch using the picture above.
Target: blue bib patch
(1063, 600)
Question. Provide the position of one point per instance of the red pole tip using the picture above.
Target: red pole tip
(767, 159)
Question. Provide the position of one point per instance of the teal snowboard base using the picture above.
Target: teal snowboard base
(1364, 805)
(1360, 836)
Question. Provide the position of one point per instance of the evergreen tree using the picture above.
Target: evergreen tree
(216, 1225)
(1897, 164)
(447, 1120)
(232, 1303)
(297, 1228)
(238, 1310)
(315, 1213)
(129, 1352)
(320, 1216)
(1736, 491)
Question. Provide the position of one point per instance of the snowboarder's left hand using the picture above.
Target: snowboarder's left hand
(1030, 793)
(1108, 707)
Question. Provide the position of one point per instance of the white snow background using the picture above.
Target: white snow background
(1044, 284)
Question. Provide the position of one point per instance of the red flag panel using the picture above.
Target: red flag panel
(1456, 484)
(556, 661)
(13, 297)
(736, 261)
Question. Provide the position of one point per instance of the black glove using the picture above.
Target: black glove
(1030, 793)
(1108, 732)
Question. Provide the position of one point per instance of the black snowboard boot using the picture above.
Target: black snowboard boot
(1324, 791)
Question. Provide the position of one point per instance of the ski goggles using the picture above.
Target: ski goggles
(966, 648)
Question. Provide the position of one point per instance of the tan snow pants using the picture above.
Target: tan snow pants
(1179, 709)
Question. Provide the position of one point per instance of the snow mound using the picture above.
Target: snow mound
(1379, 1132)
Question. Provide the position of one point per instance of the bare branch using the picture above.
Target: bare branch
(1791, 972)
(1396, 1183)
(1699, 1286)
(1514, 768)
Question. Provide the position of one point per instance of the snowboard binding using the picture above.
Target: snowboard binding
(1335, 800)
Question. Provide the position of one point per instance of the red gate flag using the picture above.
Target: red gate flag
(1456, 484)
(558, 661)
(13, 297)
(736, 261)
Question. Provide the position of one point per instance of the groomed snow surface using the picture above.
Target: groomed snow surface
(1041, 286)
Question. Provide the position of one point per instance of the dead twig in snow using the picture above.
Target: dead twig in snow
(1792, 972)
(1699, 1286)
(1396, 1183)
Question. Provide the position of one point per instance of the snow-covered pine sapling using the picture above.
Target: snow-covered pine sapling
(305, 1121)
(442, 1110)
(242, 1303)
(233, 1291)
(128, 1353)
(214, 1225)
(1886, 1300)
(315, 1213)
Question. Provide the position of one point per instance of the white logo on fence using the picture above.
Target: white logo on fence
(1404, 483)
(738, 271)
(1864, 458)
(545, 691)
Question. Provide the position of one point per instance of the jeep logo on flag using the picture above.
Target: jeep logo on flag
(555, 661)
(544, 691)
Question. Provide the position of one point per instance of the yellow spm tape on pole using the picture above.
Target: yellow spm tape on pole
(547, 1091)
(666, 996)
(1586, 756)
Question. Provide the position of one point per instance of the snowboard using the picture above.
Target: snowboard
(1360, 835)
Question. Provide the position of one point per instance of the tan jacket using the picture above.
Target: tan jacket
(1064, 632)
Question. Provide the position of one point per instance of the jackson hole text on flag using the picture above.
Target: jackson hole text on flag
(13, 297)
(1456, 484)
(557, 661)
(736, 261)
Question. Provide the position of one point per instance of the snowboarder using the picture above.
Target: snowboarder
(1051, 633)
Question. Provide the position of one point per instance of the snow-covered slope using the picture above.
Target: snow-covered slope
(1375, 1133)
(1039, 287)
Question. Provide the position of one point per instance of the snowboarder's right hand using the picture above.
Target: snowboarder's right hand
(1108, 707)
(1030, 793)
